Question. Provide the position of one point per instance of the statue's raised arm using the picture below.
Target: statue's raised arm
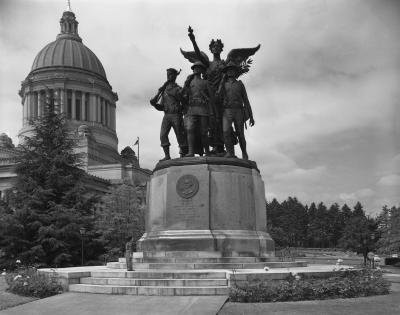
(196, 55)
(200, 56)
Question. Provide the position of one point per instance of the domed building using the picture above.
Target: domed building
(69, 75)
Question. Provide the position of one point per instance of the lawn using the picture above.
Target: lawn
(8, 299)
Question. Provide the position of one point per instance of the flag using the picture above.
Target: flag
(137, 141)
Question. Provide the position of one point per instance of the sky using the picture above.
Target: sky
(324, 86)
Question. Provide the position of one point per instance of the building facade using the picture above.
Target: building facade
(69, 75)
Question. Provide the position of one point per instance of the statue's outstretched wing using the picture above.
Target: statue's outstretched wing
(240, 56)
(192, 56)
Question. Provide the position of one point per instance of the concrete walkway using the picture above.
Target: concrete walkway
(101, 304)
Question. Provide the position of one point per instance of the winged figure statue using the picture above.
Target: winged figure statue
(214, 74)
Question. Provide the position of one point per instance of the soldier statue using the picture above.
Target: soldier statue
(214, 74)
(169, 100)
(237, 109)
(198, 94)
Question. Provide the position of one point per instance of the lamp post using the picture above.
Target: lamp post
(82, 231)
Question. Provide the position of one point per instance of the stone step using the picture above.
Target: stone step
(180, 260)
(148, 290)
(183, 254)
(156, 282)
(154, 274)
(186, 266)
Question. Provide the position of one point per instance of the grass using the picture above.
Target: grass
(8, 299)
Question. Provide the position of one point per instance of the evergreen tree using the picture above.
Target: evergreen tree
(275, 222)
(119, 219)
(359, 232)
(335, 226)
(389, 230)
(346, 212)
(311, 214)
(318, 225)
(358, 210)
(50, 201)
(287, 222)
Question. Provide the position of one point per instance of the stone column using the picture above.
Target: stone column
(98, 109)
(103, 114)
(110, 122)
(107, 107)
(109, 115)
(92, 107)
(83, 106)
(62, 100)
(28, 105)
(25, 110)
(35, 104)
(113, 117)
(40, 105)
(73, 114)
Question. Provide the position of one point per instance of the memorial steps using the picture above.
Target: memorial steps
(184, 260)
(175, 273)
(238, 264)
(154, 283)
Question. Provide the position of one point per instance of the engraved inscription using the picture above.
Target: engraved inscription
(187, 212)
(187, 186)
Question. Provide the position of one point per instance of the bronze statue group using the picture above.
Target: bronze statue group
(212, 108)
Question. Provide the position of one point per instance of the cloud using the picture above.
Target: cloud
(357, 195)
(389, 180)
(305, 176)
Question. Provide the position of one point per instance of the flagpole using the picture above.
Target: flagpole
(138, 151)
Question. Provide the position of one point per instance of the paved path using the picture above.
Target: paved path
(101, 304)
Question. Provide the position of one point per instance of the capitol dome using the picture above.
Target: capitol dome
(68, 50)
(68, 75)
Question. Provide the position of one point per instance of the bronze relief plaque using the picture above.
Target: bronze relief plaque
(187, 186)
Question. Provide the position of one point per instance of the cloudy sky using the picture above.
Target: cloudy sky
(324, 87)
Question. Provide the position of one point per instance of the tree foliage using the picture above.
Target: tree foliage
(359, 232)
(49, 200)
(119, 219)
(389, 230)
(290, 223)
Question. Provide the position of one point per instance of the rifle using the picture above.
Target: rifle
(157, 97)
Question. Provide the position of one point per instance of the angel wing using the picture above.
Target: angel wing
(192, 56)
(240, 56)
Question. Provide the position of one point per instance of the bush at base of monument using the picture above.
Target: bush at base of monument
(348, 284)
(28, 282)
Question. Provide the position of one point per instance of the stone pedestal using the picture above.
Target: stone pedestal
(207, 204)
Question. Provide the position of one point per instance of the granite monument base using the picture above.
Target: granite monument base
(207, 204)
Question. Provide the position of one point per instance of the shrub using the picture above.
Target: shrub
(346, 284)
(392, 260)
(28, 282)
